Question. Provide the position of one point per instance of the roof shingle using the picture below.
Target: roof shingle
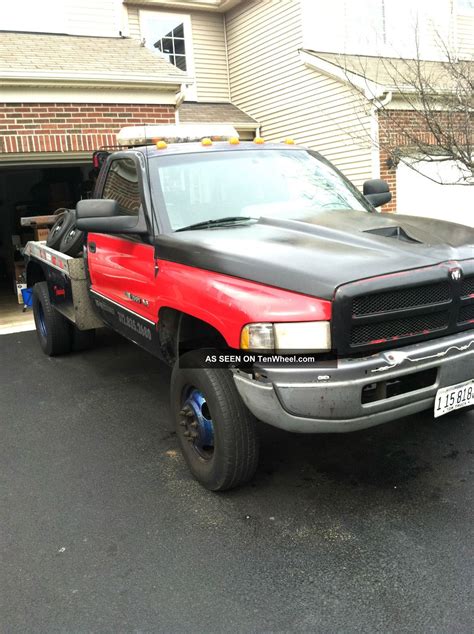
(69, 56)
(191, 112)
(392, 72)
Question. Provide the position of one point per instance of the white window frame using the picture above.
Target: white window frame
(188, 36)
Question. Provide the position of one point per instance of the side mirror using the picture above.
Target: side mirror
(97, 208)
(103, 216)
(377, 192)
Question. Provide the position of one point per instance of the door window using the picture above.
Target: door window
(121, 185)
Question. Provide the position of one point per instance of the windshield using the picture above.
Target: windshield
(288, 184)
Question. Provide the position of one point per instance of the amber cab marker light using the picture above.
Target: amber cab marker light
(289, 141)
(258, 140)
(234, 140)
(206, 142)
(161, 145)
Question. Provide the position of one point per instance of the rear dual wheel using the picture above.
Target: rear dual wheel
(216, 432)
(56, 334)
(53, 330)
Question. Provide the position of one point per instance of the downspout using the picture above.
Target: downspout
(224, 21)
(384, 102)
(180, 97)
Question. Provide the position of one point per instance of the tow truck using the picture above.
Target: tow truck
(273, 287)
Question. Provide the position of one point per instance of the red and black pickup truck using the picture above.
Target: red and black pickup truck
(273, 287)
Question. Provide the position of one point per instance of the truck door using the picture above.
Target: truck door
(122, 267)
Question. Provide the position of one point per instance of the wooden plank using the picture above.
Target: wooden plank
(37, 221)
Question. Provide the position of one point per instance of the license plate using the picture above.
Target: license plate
(454, 397)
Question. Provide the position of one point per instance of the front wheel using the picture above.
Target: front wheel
(216, 432)
(53, 330)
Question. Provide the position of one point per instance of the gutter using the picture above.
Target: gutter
(111, 80)
(188, 5)
(369, 88)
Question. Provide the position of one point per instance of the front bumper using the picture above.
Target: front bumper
(330, 399)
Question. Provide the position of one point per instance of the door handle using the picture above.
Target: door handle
(92, 247)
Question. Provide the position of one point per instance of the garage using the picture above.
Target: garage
(32, 188)
(63, 97)
(423, 189)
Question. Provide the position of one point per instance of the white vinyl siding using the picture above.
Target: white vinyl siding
(270, 83)
(90, 17)
(209, 52)
(465, 35)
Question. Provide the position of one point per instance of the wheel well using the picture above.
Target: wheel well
(179, 333)
(34, 274)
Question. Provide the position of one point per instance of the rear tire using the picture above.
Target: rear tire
(216, 432)
(53, 330)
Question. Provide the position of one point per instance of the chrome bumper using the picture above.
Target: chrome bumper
(329, 399)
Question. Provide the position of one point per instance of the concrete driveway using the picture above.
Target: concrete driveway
(104, 530)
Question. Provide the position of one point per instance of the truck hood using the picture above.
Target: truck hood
(317, 255)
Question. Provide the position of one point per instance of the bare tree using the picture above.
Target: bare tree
(431, 115)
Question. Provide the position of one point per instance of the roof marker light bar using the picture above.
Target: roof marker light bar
(183, 133)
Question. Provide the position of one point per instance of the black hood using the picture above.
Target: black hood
(316, 256)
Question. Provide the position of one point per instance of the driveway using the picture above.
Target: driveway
(104, 530)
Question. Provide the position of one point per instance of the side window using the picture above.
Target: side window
(121, 184)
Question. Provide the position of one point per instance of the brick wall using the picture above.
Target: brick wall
(392, 124)
(69, 127)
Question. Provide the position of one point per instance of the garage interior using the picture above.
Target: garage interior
(33, 189)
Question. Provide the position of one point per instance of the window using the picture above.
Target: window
(121, 185)
(168, 34)
(289, 184)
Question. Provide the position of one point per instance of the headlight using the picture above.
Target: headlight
(307, 336)
(257, 337)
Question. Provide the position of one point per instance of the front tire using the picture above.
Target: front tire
(53, 330)
(216, 432)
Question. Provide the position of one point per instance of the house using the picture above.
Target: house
(73, 72)
(299, 67)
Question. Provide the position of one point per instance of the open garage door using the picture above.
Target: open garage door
(32, 187)
(419, 196)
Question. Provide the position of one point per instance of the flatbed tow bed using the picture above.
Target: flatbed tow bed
(67, 280)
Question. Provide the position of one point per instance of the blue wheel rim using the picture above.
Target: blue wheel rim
(196, 422)
(41, 321)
